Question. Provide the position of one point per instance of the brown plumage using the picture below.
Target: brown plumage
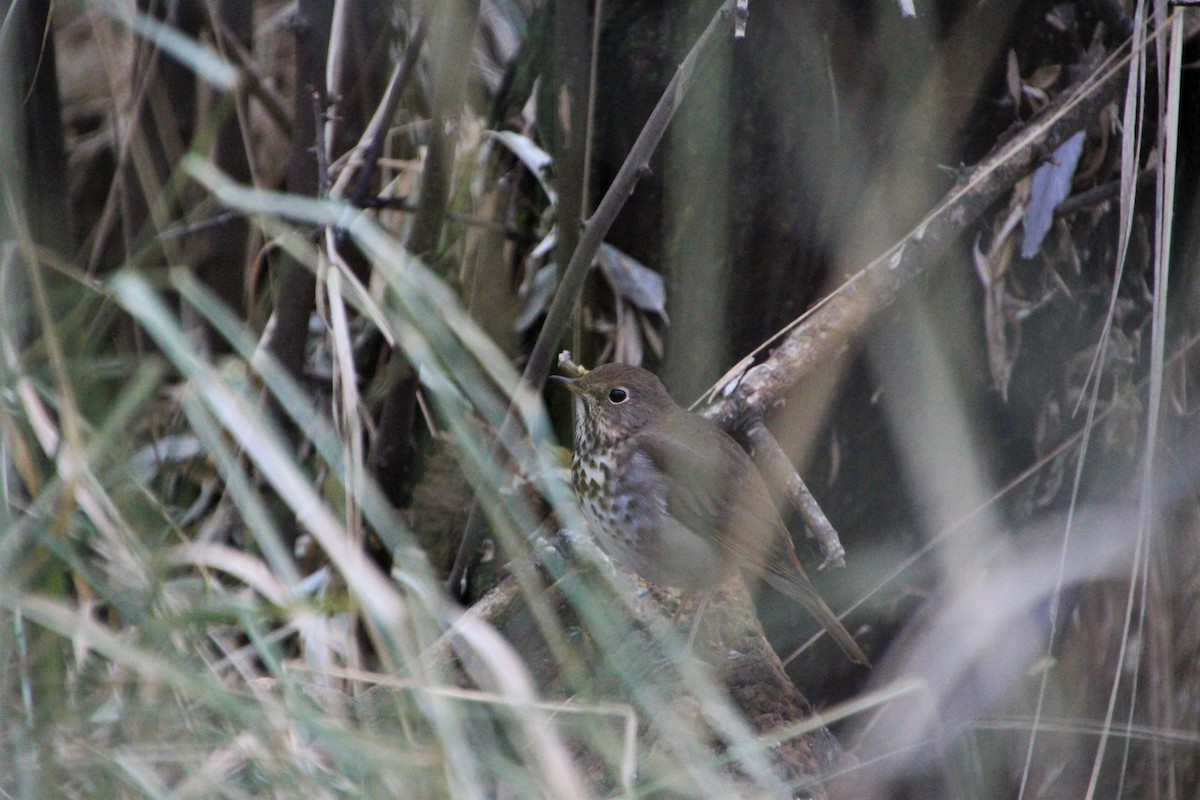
(675, 498)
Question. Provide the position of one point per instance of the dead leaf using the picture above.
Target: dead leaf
(633, 281)
(1051, 185)
(535, 159)
(1045, 76)
(1012, 75)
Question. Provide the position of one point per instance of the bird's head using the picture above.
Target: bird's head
(613, 401)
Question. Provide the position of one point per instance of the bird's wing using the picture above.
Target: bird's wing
(691, 478)
(714, 488)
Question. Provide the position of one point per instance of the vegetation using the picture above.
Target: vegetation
(283, 513)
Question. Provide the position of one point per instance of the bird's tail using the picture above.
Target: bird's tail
(806, 595)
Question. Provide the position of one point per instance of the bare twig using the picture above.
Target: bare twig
(774, 461)
(1100, 194)
(295, 298)
(593, 77)
(377, 131)
(253, 83)
(319, 145)
(450, 42)
(570, 93)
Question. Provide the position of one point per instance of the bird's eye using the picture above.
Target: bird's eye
(618, 395)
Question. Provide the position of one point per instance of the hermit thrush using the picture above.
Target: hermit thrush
(674, 498)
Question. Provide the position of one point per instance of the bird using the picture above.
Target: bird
(675, 498)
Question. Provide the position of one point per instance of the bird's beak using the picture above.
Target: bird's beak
(569, 383)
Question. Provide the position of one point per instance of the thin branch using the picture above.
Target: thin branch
(319, 145)
(295, 298)
(590, 129)
(450, 41)
(1100, 194)
(780, 472)
(252, 82)
(378, 129)
(569, 90)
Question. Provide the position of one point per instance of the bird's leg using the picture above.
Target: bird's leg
(684, 597)
(705, 596)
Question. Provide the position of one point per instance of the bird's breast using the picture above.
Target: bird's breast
(609, 503)
(623, 497)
